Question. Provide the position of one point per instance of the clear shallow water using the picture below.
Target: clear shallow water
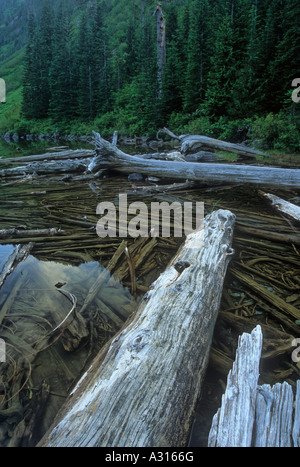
(30, 308)
(34, 306)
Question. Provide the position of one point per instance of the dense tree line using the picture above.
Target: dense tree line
(224, 58)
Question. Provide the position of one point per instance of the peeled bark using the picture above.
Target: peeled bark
(143, 388)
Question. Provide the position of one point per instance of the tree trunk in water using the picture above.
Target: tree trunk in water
(143, 388)
(110, 156)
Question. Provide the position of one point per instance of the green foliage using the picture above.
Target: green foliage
(276, 131)
(229, 67)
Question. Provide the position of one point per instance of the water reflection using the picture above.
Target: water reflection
(42, 365)
(5, 252)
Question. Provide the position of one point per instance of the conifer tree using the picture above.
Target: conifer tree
(222, 72)
(62, 79)
(45, 38)
(30, 75)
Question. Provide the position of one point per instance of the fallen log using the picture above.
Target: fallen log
(52, 156)
(109, 156)
(30, 233)
(282, 206)
(232, 425)
(48, 167)
(192, 143)
(142, 389)
(253, 415)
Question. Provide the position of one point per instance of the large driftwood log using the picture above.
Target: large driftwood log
(192, 143)
(253, 415)
(142, 391)
(48, 167)
(109, 156)
(50, 156)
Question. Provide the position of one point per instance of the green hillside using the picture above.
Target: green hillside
(224, 68)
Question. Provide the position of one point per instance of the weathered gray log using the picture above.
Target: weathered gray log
(42, 168)
(253, 415)
(232, 425)
(109, 156)
(143, 389)
(19, 253)
(192, 143)
(59, 155)
(26, 233)
(283, 206)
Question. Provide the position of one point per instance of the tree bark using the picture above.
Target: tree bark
(142, 389)
(110, 156)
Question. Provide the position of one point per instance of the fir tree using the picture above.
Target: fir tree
(30, 76)
(62, 78)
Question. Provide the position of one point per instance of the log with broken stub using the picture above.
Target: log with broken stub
(273, 415)
(109, 156)
(232, 425)
(250, 414)
(142, 389)
(192, 143)
(282, 206)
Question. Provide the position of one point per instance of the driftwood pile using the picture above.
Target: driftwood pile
(144, 390)
(83, 165)
(54, 216)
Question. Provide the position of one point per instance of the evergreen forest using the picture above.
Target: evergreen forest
(226, 70)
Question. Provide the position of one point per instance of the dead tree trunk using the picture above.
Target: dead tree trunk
(161, 46)
(110, 156)
(142, 391)
(253, 415)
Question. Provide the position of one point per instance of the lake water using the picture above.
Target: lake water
(31, 305)
(27, 148)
